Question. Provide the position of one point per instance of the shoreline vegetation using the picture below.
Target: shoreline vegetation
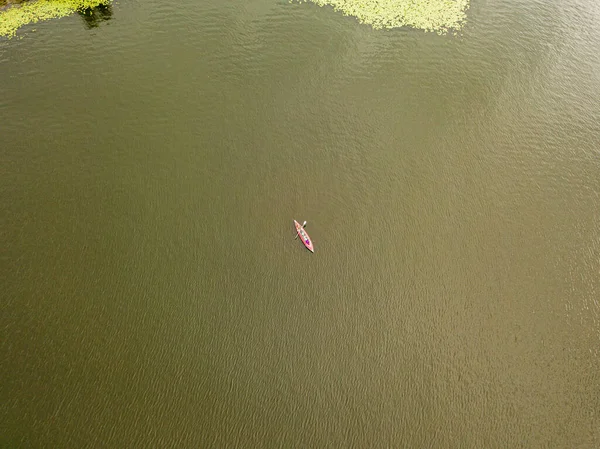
(440, 16)
(16, 13)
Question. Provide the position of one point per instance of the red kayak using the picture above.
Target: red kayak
(304, 236)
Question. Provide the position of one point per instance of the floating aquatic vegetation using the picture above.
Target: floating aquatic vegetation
(430, 15)
(14, 17)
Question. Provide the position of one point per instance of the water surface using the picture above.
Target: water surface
(153, 292)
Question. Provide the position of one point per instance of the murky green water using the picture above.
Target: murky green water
(153, 293)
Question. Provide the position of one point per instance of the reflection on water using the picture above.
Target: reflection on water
(93, 17)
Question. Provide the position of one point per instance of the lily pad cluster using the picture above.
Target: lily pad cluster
(14, 17)
(431, 15)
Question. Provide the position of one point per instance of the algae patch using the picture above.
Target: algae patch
(430, 15)
(14, 17)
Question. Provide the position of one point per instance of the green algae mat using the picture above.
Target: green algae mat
(15, 16)
(430, 15)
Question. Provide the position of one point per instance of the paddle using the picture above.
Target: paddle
(303, 224)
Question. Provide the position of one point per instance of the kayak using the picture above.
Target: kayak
(304, 236)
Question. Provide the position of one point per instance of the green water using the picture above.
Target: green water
(153, 293)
